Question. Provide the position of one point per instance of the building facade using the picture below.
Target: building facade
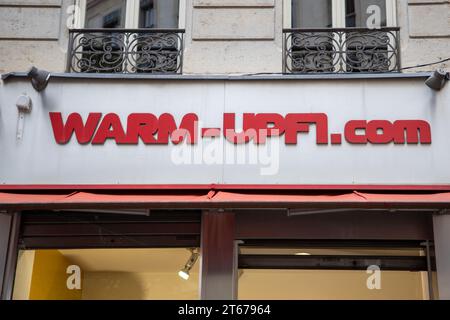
(265, 149)
(221, 37)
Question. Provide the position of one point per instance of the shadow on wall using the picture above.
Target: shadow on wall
(138, 285)
(112, 285)
(42, 275)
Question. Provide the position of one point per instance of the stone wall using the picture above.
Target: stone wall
(33, 32)
(233, 36)
(222, 36)
(425, 32)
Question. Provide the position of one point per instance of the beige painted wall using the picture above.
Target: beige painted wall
(24, 273)
(139, 285)
(226, 36)
(324, 284)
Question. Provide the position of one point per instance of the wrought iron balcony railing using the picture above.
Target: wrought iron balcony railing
(125, 50)
(342, 50)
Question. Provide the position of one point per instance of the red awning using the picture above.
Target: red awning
(219, 199)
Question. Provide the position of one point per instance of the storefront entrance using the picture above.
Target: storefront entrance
(250, 254)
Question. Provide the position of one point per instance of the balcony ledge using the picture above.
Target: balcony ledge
(234, 77)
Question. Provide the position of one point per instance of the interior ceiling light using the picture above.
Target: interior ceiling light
(302, 254)
(438, 79)
(184, 273)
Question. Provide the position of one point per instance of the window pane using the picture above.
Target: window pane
(311, 14)
(104, 274)
(158, 14)
(333, 284)
(356, 14)
(105, 14)
(327, 285)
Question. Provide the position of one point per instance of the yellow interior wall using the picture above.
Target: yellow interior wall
(49, 277)
(139, 285)
(327, 284)
(41, 274)
(24, 272)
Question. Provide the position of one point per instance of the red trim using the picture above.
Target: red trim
(223, 187)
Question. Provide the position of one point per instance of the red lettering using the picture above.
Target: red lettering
(375, 136)
(168, 128)
(300, 122)
(265, 125)
(83, 132)
(110, 128)
(257, 127)
(141, 125)
(350, 131)
(229, 128)
(412, 128)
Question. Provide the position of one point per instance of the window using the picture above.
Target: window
(147, 14)
(337, 13)
(108, 254)
(322, 38)
(135, 47)
(311, 14)
(105, 14)
(357, 12)
(158, 14)
(105, 274)
(130, 14)
(271, 273)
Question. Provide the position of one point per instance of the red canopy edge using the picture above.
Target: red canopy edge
(219, 199)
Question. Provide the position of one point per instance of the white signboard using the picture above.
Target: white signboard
(307, 133)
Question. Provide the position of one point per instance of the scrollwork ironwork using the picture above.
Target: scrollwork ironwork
(125, 51)
(341, 50)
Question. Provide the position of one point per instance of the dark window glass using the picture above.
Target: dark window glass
(356, 14)
(311, 14)
(158, 14)
(105, 14)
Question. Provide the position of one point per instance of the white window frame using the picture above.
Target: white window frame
(338, 13)
(131, 14)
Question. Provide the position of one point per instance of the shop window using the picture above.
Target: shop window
(104, 274)
(332, 274)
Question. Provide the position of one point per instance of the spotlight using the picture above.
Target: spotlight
(39, 78)
(302, 254)
(437, 80)
(184, 273)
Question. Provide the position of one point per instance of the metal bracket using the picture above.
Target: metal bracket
(24, 105)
